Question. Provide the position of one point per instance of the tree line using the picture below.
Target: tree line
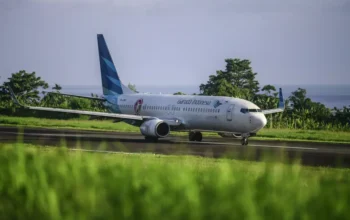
(237, 80)
(26, 86)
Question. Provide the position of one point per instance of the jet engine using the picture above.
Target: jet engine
(155, 128)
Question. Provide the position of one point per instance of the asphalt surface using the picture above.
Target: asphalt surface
(313, 154)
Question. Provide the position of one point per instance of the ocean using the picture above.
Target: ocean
(330, 95)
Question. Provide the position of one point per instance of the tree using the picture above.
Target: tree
(55, 100)
(97, 105)
(25, 86)
(57, 87)
(268, 88)
(298, 99)
(179, 93)
(237, 80)
(310, 114)
(267, 101)
(132, 87)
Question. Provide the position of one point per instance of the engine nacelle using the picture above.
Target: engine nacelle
(155, 128)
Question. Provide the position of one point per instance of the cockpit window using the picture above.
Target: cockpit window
(245, 110)
(254, 110)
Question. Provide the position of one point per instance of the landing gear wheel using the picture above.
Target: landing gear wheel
(191, 136)
(195, 136)
(244, 141)
(151, 139)
(198, 136)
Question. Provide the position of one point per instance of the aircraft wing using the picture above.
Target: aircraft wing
(280, 107)
(103, 114)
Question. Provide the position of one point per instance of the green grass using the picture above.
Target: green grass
(58, 184)
(290, 134)
(270, 134)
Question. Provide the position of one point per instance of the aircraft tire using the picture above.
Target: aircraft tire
(198, 136)
(244, 141)
(195, 136)
(191, 136)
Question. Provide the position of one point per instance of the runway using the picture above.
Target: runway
(314, 154)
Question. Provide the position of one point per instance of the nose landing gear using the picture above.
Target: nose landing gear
(244, 141)
(195, 136)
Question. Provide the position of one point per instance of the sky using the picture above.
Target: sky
(177, 42)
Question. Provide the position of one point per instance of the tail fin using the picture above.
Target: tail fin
(281, 103)
(111, 82)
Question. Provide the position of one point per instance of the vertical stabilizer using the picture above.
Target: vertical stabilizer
(111, 82)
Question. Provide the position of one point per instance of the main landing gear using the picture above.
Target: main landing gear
(195, 136)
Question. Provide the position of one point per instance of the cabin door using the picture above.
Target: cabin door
(229, 112)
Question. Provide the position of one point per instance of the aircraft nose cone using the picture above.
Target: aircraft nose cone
(260, 121)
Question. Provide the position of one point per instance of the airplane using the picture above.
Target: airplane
(158, 114)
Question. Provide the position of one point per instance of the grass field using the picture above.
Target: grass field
(58, 184)
(275, 134)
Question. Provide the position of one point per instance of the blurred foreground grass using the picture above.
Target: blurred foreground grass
(59, 184)
(272, 134)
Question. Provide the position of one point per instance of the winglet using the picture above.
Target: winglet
(15, 100)
(281, 100)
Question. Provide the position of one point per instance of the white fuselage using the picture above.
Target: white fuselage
(203, 113)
